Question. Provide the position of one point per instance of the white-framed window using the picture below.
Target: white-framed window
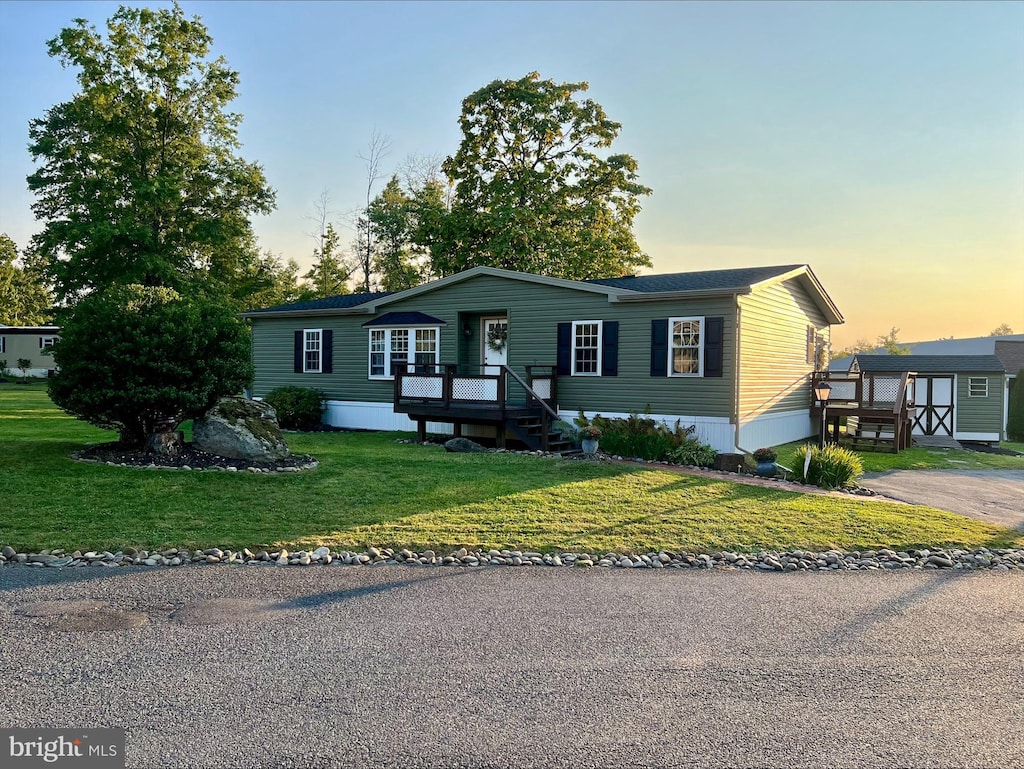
(312, 350)
(46, 341)
(686, 346)
(977, 387)
(3, 345)
(391, 348)
(586, 347)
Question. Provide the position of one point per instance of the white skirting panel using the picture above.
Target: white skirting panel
(962, 435)
(776, 429)
(718, 432)
(364, 415)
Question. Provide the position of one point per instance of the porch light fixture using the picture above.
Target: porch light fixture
(467, 331)
(822, 392)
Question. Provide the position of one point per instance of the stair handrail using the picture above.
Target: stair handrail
(546, 413)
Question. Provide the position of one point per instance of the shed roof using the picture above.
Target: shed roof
(928, 364)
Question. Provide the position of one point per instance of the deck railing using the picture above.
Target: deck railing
(448, 385)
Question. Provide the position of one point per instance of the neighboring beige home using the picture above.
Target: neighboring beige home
(30, 342)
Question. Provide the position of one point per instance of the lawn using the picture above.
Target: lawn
(371, 490)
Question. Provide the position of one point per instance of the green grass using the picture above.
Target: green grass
(370, 490)
(918, 458)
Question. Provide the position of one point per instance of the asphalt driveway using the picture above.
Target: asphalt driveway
(994, 496)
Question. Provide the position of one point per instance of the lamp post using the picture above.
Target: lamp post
(822, 391)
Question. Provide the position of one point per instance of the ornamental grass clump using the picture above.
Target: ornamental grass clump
(693, 452)
(832, 467)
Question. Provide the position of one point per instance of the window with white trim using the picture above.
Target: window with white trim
(312, 350)
(391, 348)
(46, 341)
(586, 347)
(3, 345)
(686, 346)
(977, 387)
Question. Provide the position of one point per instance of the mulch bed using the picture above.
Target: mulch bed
(189, 457)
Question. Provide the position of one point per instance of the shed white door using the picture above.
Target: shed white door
(933, 396)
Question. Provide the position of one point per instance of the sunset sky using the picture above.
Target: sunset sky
(881, 143)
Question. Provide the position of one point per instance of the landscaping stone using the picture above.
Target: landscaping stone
(463, 446)
(1002, 559)
(239, 428)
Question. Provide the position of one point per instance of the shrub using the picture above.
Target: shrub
(1015, 416)
(298, 408)
(139, 359)
(693, 452)
(637, 436)
(24, 364)
(832, 467)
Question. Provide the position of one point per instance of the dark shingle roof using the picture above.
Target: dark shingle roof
(1011, 354)
(928, 364)
(709, 280)
(330, 303)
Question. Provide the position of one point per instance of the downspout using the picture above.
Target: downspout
(736, 374)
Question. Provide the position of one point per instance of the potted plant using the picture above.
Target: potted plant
(765, 458)
(589, 436)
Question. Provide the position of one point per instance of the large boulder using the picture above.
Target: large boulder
(240, 429)
(463, 446)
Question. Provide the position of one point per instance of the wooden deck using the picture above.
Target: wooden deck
(878, 409)
(524, 408)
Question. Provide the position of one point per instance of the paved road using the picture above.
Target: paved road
(233, 666)
(995, 496)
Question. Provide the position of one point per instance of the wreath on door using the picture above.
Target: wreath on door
(497, 336)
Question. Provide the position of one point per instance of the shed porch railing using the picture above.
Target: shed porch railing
(878, 407)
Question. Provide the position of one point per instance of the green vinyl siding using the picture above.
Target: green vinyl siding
(979, 414)
(534, 311)
(774, 372)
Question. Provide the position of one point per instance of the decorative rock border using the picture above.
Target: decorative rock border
(999, 559)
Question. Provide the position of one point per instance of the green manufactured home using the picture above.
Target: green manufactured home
(729, 351)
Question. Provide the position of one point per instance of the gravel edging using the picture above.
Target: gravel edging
(998, 559)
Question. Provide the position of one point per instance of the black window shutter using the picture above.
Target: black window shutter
(564, 349)
(298, 352)
(328, 352)
(659, 347)
(714, 346)
(610, 348)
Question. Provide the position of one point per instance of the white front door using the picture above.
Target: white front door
(495, 342)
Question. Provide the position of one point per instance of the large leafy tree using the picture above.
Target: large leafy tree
(536, 188)
(393, 216)
(138, 177)
(330, 272)
(25, 299)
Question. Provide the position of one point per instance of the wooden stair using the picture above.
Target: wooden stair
(529, 430)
